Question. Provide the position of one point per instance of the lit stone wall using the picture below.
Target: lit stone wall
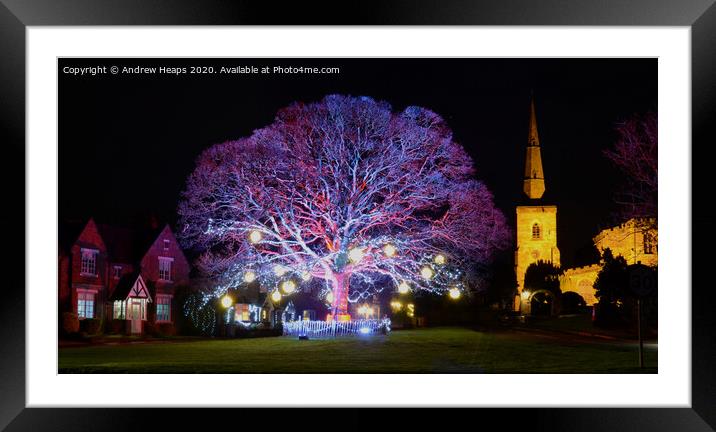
(627, 240)
(529, 249)
(581, 281)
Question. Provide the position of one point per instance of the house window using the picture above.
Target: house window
(117, 272)
(164, 308)
(89, 262)
(165, 269)
(242, 312)
(166, 245)
(536, 233)
(120, 309)
(85, 304)
(648, 243)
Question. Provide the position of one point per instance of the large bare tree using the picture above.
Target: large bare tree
(345, 193)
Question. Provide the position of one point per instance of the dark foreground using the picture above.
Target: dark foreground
(436, 350)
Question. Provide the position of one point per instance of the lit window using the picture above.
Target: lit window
(648, 243)
(536, 233)
(89, 262)
(117, 272)
(85, 304)
(165, 269)
(120, 309)
(242, 312)
(166, 245)
(164, 308)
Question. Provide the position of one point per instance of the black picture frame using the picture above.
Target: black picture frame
(16, 15)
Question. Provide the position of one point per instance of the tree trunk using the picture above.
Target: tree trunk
(341, 282)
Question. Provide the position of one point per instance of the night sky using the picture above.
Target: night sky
(128, 142)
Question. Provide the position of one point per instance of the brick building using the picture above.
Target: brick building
(116, 273)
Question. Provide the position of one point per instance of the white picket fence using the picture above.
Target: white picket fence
(325, 329)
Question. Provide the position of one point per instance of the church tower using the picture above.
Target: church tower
(536, 221)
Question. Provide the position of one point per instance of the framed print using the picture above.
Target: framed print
(403, 206)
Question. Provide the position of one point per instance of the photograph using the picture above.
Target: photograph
(357, 215)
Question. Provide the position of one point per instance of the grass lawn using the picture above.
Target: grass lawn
(436, 350)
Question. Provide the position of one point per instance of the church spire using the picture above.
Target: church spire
(534, 176)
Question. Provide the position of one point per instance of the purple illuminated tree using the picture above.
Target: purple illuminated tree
(345, 194)
(635, 153)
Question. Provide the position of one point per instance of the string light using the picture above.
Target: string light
(329, 297)
(306, 276)
(396, 305)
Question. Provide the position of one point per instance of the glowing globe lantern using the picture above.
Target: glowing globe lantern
(389, 250)
(329, 297)
(427, 273)
(355, 255)
(226, 301)
(288, 286)
(440, 259)
(276, 296)
(454, 293)
(403, 287)
(255, 236)
(279, 270)
(249, 276)
(306, 276)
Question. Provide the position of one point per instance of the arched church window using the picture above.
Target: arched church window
(536, 233)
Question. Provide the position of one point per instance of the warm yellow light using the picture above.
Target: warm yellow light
(279, 270)
(276, 296)
(329, 297)
(255, 236)
(389, 250)
(454, 293)
(288, 286)
(440, 259)
(411, 310)
(306, 276)
(396, 305)
(249, 276)
(525, 295)
(365, 310)
(226, 301)
(426, 272)
(355, 255)
(403, 287)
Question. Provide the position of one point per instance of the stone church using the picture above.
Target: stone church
(536, 229)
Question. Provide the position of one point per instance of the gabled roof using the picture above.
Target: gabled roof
(124, 245)
(131, 285)
(68, 231)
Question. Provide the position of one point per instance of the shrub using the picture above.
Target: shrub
(91, 326)
(70, 323)
(150, 328)
(117, 326)
(165, 329)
